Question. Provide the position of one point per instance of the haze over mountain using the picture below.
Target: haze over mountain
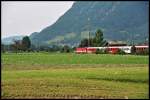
(126, 20)
(10, 40)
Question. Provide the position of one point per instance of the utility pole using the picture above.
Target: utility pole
(89, 40)
(89, 31)
(132, 39)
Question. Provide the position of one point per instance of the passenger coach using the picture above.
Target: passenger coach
(111, 49)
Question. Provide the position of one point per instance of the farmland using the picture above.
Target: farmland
(61, 75)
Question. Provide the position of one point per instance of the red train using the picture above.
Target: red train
(111, 49)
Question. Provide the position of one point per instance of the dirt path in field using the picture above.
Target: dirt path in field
(68, 97)
(62, 66)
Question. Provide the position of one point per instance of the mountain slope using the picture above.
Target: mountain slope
(119, 21)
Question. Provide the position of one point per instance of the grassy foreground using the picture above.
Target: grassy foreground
(39, 75)
(71, 58)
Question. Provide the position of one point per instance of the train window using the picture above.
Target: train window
(125, 48)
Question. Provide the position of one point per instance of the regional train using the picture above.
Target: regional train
(111, 49)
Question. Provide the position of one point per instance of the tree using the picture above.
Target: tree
(99, 39)
(84, 43)
(26, 43)
(17, 45)
(121, 52)
(66, 49)
(101, 51)
(2, 48)
(90, 42)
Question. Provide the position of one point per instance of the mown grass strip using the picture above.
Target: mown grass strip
(123, 74)
(71, 58)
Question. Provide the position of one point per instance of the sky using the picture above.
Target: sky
(26, 17)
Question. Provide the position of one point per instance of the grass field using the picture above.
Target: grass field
(57, 58)
(54, 75)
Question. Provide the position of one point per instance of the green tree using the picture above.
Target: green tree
(121, 52)
(66, 49)
(17, 46)
(26, 43)
(99, 39)
(2, 48)
(101, 51)
(84, 43)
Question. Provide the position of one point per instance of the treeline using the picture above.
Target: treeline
(53, 48)
(18, 45)
(25, 45)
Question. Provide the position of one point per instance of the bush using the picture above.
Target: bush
(121, 52)
(98, 51)
(65, 49)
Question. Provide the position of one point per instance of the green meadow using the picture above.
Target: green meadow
(74, 76)
(70, 58)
